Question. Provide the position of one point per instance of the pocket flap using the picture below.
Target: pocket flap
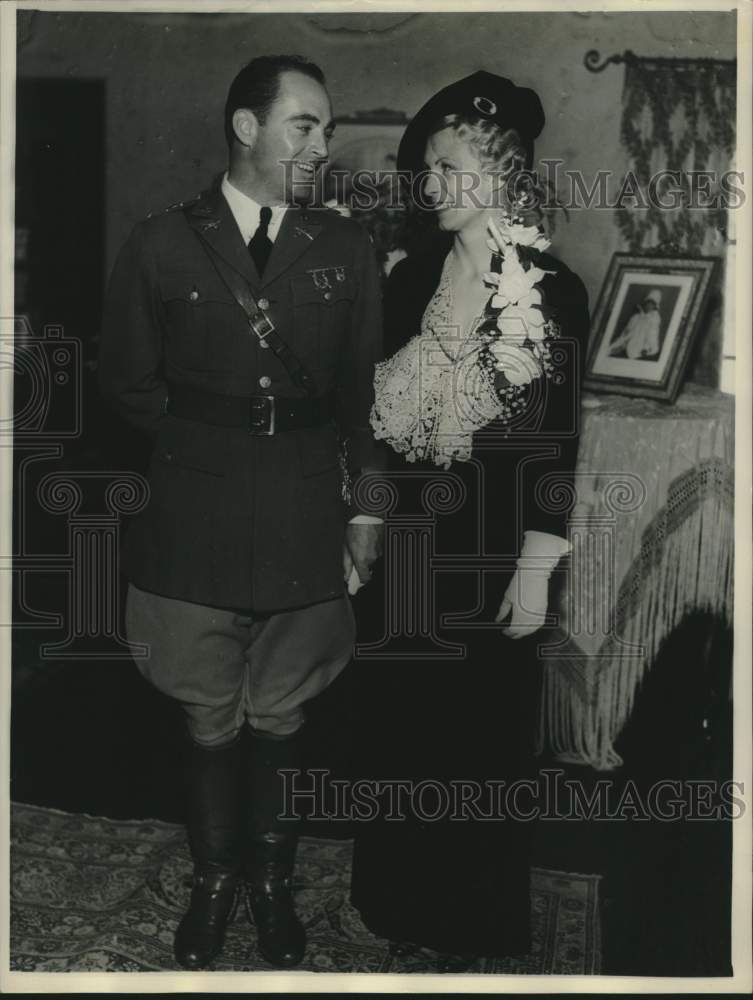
(194, 289)
(304, 287)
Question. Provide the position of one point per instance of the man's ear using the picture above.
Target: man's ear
(245, 126)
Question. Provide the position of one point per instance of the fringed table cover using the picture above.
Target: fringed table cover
(652, 532)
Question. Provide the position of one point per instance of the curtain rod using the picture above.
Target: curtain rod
(592, 57)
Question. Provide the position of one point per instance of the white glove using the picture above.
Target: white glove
(526, 596)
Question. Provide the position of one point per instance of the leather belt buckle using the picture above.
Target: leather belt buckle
(261, 325)
(262, 415)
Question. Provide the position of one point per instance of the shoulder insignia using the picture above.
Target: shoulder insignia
(176, 206)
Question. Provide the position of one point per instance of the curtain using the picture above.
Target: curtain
(677, 117)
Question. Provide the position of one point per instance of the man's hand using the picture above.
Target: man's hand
(363, 546)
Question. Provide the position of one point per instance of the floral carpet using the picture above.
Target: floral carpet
(100, 895)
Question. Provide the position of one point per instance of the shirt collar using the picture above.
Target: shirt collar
(246, 211)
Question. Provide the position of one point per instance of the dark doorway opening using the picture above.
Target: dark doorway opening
(60, 211)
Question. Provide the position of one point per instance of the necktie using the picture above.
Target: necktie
(260, 245)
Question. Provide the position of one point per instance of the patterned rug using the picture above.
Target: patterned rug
(100, 895)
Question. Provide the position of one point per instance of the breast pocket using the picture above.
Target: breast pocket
(199, 309)
(323, 308)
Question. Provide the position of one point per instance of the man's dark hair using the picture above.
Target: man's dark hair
(258, 83)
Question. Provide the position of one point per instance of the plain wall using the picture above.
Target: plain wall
(167, 76)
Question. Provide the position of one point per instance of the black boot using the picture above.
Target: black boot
(271, 855)
(214, 823)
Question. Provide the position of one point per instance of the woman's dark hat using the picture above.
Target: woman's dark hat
(483, 94)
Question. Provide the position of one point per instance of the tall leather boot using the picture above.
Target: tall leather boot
(214, 822)
(271, 852)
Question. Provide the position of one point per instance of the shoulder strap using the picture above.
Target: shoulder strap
(258, 320)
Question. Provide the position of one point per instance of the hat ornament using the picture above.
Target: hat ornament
(485, 106)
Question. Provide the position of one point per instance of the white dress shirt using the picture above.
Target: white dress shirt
(246, 212)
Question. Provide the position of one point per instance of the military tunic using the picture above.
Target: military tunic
(236, 519)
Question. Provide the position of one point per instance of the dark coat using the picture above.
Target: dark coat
(460, 886)
(234, 519)
(518, 464)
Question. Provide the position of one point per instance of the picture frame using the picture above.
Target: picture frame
(648, 315)
(362, 173)
(366, 140)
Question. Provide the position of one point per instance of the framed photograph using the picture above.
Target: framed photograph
(647, 317)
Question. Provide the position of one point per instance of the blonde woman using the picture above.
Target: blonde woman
(486, 333)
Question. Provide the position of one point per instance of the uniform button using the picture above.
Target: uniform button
(263, 344)
(327, 296)
(265, 381)
(264, 303)
(194, 295)
(168, 456)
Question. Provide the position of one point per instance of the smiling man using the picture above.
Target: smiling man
(241, 331)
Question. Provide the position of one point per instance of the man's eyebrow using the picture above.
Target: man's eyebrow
(305, 117)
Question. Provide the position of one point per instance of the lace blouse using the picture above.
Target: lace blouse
(432, 395)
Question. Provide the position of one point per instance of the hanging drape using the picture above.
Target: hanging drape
(678, 115)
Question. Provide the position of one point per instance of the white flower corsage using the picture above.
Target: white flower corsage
(516, 326)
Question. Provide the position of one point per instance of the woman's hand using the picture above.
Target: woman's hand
(527, 594)
(526, 597)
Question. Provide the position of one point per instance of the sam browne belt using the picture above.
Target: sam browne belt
(263, 415)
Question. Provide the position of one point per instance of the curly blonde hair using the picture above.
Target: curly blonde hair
(499, 150)
(504, 152)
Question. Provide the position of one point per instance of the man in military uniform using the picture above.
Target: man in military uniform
(241, 331)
